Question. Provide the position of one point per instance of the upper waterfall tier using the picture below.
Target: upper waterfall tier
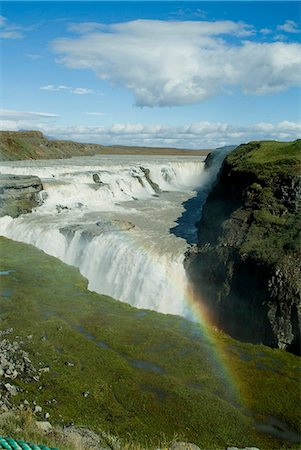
(100, 183)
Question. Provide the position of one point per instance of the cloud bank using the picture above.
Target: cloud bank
(179, 63)
(195, 135)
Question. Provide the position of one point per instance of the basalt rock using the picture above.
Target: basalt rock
(19, 194)
(90, 230)
(246, 266)
(153, 185)
(15, 365)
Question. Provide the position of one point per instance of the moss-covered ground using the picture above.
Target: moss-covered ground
(274, 168)
(266, 158)
(139, 374)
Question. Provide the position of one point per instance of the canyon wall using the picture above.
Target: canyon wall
(246, 266)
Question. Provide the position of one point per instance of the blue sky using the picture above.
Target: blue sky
(186, 74)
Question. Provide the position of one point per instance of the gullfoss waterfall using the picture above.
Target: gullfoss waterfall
(112, 218)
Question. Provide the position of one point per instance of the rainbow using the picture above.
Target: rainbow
(196, 311)
(192, 306)
(219, 358)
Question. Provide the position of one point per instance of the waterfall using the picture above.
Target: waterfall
(111, 219)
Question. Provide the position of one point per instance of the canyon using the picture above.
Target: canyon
(146, 231)
(111, 217)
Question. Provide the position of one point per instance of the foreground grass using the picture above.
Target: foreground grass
(22, 424)
(135, 373)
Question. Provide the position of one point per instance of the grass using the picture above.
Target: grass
(275, 222)
(147, 375)
(22, 424)
(266, 158)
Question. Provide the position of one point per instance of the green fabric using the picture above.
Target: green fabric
(11, 444)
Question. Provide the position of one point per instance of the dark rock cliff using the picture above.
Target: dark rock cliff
(246, 266)
(19, 194)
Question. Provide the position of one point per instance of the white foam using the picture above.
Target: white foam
(142, 266)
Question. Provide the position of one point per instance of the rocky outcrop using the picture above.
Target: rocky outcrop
(90, 230)
(15, 365)
(152, 184)
(246, 266)
(19, 194)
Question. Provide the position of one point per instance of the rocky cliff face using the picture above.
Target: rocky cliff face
(246, 267)
(18, 194)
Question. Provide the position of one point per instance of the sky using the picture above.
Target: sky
(175, 74)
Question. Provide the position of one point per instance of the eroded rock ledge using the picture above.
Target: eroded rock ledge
(19, 194)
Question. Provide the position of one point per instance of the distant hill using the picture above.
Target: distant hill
(18, 145)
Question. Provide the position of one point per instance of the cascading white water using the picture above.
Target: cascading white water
(111, 218)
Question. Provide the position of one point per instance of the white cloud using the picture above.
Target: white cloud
(72, 90)
(177, 63)
(280, 37)
(195, 135)
(81, 91)
(11, 115)
(289, 26)
(51, 87)
(8, 30)
(265, 31)
(12, 34)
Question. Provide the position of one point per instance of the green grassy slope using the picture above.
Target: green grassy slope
(275, 223)
(19, 145)
(266, 158)
(146, 374)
